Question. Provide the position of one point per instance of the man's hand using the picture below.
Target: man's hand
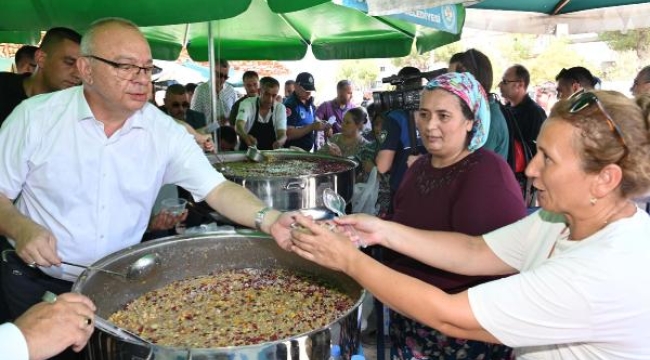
(35, 245)
(318, 125)
(281, 230)
(165, 221)
(49, 328)
(250, 140)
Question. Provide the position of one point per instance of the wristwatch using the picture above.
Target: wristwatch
(259, 217)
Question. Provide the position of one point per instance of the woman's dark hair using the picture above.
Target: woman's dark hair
(598, 145)
(359, 115)
(477, 64)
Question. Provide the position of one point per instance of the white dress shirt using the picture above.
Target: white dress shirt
(12, 343)
(95, 194)
(202, 101)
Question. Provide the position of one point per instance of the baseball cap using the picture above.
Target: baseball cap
(306, 81)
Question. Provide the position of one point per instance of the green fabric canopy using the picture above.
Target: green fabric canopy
(78, 14)
(332, 31)
(538, 6)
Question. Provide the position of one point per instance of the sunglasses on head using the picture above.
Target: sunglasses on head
(582, 100)
(184, 104)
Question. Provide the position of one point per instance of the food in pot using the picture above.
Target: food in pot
(281, 167)
(234, 308)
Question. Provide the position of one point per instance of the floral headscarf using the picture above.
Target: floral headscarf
(465, 86)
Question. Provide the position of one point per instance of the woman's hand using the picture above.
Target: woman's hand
(321, 245)
(334, 150)
(370, 229)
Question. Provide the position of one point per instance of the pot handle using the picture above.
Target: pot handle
(292, 185)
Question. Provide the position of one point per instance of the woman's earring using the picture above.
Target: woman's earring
(593, 200)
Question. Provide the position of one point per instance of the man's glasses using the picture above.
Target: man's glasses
(184, 105)
(128, 71)
(584, 100)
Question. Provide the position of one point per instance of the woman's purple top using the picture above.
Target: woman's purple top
(473, 196)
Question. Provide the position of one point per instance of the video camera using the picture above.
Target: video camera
(406, 95)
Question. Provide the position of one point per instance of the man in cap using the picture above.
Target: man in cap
(301, 120)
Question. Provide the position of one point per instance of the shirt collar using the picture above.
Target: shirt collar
(85, 113)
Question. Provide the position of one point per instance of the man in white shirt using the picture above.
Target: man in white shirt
(226, 96)
(84, 166)
(262, 121)
(46, 329)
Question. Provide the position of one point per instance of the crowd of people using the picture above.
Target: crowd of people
(470, 270)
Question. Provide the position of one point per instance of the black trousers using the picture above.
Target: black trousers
(23, 287)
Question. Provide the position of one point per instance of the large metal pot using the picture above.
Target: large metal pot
(292, 192)
(184, 257)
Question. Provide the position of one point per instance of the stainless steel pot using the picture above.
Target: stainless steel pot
(292, 192)
(184, 257)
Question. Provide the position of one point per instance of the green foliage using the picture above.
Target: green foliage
(444, 53)
(557, 55)
(363, 73)
(619, 41)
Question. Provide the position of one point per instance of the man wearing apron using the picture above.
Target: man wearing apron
(262, 121)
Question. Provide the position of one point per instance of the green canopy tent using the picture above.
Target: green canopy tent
(528, 16)
(331, 31)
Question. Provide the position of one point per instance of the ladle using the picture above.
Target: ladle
(336, 204)
(138, 269)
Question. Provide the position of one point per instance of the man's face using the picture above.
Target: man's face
(289, 89)
(177, 105)
(59, 65)
(221, 75)
(268, 95)
(303, 94)
(344, 94)
(26, 66)
(565, 88)
(252, 86)
(510, 85)
(116, 91)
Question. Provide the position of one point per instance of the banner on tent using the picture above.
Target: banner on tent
(440, 18)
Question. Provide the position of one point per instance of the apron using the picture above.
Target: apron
(263, 132)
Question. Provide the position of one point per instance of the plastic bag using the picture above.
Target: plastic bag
(364, 195)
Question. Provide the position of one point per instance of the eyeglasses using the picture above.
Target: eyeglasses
(184, 105)
(506, 81)
(128, 71)
(584, 100)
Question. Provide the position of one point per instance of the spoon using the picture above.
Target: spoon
(336, 204)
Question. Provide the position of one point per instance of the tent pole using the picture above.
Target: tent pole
(213, 84)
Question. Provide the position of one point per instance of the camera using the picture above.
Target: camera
(406, 95)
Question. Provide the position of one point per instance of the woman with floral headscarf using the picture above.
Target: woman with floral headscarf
(457, 186)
